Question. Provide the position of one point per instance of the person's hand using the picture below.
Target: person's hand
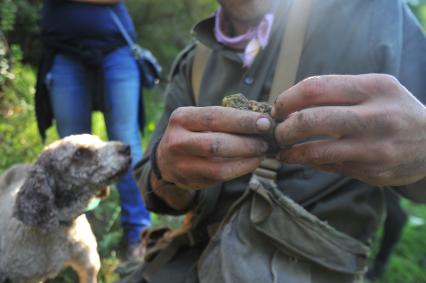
(375, 129)
(205, 145)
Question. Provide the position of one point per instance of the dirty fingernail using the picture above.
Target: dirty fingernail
(263, 124)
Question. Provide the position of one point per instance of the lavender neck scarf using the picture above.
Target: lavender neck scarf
(251, 42)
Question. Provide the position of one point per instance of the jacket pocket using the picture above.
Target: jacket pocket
(292, 229)
(266, 237)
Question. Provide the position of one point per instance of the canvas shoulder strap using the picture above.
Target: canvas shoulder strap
(287, 67)
(201, 56)
(291, 48)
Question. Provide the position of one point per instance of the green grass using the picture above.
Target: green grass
(408, 263)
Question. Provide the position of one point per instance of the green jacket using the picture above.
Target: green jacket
(343, 37)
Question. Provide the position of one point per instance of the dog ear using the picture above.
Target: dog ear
(35, 202)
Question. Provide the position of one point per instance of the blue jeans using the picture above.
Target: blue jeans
(70, 86)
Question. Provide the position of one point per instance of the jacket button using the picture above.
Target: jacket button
(249, 80)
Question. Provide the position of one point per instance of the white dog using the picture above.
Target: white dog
(42, 225)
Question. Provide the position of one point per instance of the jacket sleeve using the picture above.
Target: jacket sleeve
(399, 49)
(413, 56)
(398, 45)
(412, 75)
(178, 93)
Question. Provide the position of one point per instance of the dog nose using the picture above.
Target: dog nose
(124, 149)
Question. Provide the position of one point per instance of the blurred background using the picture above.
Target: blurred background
(163, 27)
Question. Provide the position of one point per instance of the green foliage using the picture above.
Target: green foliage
(5, 70)
(7, 14)
(408, 262)
(419, 9)
(18, 133)
(19, 20)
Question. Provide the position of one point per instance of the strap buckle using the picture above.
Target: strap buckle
(268, 169)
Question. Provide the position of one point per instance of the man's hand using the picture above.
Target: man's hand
(368, 127)
(206, 145)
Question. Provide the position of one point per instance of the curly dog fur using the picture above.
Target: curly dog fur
(42, 225)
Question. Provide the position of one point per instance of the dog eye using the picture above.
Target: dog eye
(81, 153)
